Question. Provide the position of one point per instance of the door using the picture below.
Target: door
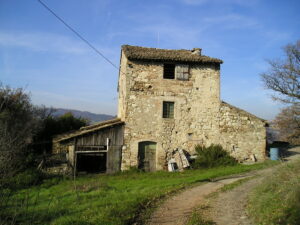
(147, 156)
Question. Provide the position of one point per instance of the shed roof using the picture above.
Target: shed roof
(88, 129)
(157, 54)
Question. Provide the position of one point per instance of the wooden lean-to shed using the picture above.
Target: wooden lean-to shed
(94, 148)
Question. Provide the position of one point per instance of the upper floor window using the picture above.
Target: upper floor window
(168, 109)
(169, 71)
(182, 72)
(179, 72)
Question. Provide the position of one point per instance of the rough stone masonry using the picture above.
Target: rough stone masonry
(170, 99)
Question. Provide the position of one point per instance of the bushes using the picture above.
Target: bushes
(212, 156)
(23, 179)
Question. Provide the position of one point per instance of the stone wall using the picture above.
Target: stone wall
(196, 111)
(242, 134)
(60, 147)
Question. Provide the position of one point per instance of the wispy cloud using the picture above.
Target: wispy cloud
(40, 41)
(237, 2)
(171, 35)
(233, 21)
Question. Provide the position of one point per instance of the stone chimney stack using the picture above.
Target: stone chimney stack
(196, 51)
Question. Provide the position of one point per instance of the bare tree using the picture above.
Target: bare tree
(287, 122)
(284, 75)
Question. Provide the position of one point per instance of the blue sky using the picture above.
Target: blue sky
(38, 53)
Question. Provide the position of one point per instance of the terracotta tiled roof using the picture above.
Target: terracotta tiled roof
(156, 54)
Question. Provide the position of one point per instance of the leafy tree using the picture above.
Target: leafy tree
(26, 130)
(283, 76)
(52, 126)
(19, 120)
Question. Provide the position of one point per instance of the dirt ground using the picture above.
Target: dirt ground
(225, 208)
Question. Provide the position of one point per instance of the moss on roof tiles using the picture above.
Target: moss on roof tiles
(156, 54)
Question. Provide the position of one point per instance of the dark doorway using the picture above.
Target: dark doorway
(147, 156)
(91, 162)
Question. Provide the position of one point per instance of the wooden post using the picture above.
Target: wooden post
(107, 152)
(75, 158)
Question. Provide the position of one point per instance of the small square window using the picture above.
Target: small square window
(168, 109)
(169, 71)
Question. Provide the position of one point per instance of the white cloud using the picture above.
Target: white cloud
(41, 41)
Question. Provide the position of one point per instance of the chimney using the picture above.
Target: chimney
(196, 51)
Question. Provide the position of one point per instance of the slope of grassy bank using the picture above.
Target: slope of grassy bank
(277, 199)
(101, 199)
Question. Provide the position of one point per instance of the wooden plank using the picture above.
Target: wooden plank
(91, 151)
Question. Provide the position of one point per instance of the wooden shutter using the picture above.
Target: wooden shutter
(182, 72)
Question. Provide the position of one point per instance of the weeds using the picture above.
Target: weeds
(198, 219)
(277, 199)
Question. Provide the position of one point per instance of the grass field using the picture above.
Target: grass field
(102, 199)
(277, 199)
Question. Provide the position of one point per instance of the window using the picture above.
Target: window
(169, 71)
(182, 72)
(168, 109)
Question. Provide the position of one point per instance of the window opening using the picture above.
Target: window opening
(169, 71)
(168, 109)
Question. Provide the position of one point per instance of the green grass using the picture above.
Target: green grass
(277, 199)
(198, 219)
(229, 187)
(102, 199)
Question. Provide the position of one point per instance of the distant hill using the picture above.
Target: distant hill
(93, 117)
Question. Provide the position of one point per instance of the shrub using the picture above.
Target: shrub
(212, 156)
(23, 179)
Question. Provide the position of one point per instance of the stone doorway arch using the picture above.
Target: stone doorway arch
(147, 156)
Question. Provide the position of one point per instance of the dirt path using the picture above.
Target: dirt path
(230, 207)
(177, 209)
(227, 208)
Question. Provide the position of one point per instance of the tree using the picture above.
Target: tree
(19, 121)
(288, 124)
(52, 126)
(283, 78)
(284, 75)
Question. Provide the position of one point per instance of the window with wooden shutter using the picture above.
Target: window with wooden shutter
(182, 72)
(168, 109)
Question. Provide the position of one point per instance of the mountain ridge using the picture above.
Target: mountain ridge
(92, 117)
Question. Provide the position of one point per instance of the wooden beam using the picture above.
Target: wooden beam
(99, 151)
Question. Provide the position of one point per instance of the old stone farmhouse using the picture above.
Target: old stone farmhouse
(169, 101)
